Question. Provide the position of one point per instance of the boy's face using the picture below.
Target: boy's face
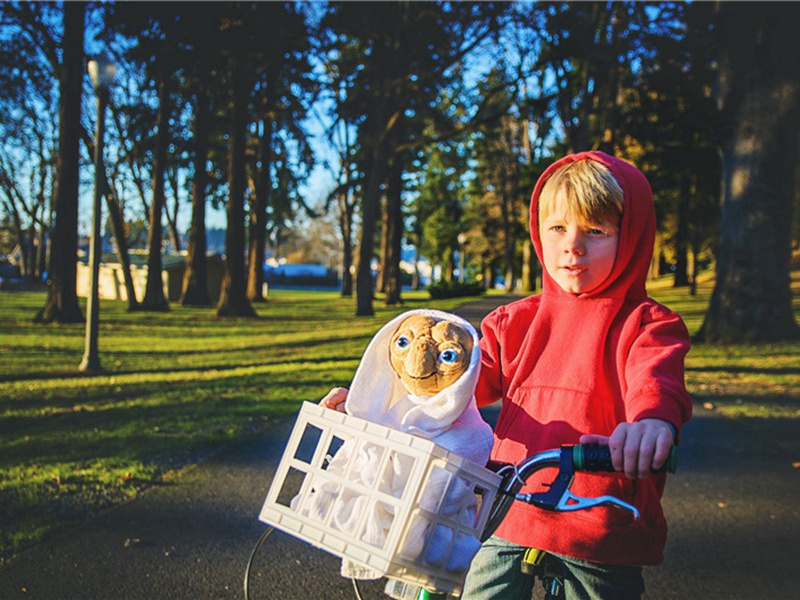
(578, 255)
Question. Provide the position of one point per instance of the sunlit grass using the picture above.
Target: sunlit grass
(175, 386)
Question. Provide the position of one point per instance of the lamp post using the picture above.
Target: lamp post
(462, 239)
(102, 71)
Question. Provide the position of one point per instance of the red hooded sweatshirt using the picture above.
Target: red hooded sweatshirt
(566, 365)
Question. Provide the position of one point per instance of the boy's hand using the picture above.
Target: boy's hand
(636, 447)
(335, 399)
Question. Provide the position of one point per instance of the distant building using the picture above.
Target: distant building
(111, 284)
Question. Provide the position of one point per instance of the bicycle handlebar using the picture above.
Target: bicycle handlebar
(569, 460)
(597, 458)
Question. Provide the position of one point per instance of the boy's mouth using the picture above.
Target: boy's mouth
(573, 269)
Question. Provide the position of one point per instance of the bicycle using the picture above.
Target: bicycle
(510, 478)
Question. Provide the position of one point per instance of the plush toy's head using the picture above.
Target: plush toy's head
(429, 356)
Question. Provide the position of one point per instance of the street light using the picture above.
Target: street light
(102, 71)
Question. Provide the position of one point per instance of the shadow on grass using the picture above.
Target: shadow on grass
(216, 367)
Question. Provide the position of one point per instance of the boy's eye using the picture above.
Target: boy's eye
(557, 228)
(448, 357)
(402, 342)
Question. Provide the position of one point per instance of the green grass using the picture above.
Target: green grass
(180, 384)
(758, 384)
(176, 386)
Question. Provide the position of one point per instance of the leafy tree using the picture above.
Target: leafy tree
(589, 48)
(158, 34)
(439, 205)
(202, 87)
(28, 135)
(670, 116)
(345, 196)
(759, 100)
(283, 158)
(499, 150)
(400, 54)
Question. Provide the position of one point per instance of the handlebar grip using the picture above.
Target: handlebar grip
(594, 457)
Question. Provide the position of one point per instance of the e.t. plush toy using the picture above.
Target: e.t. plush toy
(417, 375)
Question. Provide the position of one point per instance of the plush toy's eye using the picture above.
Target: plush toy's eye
(448, 356)
(402, 342)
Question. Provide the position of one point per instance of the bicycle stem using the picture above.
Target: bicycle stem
(514, 477)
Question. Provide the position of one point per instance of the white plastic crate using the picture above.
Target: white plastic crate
(440, 503)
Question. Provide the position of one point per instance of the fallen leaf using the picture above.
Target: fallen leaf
(796, 465)
(708, 405)
(722, 504)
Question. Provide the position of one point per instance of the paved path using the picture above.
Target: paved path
(732, 507)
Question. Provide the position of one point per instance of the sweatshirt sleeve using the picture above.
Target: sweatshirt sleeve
(654, 369)
(490, 381)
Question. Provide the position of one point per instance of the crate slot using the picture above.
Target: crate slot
(307, 444)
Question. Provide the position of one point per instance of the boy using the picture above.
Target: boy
(589, 360)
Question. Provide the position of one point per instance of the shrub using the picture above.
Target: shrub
(454, 289)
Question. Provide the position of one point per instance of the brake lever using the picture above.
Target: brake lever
(559, 498)
(569, 502)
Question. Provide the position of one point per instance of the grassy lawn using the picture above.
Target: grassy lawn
(756, 382)
(179, 384)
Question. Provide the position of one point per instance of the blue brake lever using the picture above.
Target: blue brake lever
(559, 498)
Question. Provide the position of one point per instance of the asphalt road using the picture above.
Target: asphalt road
(732, 508)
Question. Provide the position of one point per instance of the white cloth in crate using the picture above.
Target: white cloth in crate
(450, 419)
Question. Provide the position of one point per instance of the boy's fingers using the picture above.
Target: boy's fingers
(617, 444)
(632, 453)
(594, 438)
(646, 452)
(663, 446)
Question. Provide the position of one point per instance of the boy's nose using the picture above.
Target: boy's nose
(574, 243)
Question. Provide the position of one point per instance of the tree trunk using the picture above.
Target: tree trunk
(195, 276)
(682, 236)
(416, 283)
(529, 267)
(154, 299)
(379, 276)
(346, 225)
(172, 217)
(62, 298)
(509, 241)
(118, 226)
(392, 284)
(258, 211)
(233, 300)
(369, 215)
(760, 100)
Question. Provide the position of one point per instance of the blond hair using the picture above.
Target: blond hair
(591, 192)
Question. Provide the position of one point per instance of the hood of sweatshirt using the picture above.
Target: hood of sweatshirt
(636, 233)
